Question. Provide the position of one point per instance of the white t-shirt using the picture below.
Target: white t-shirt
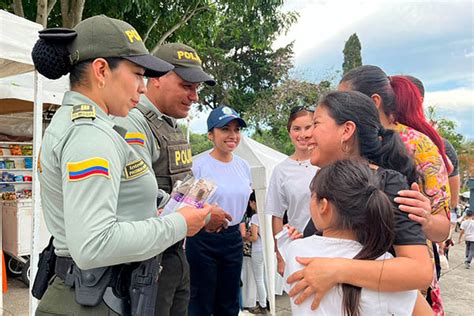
(289, 190)
(233, 180)
(371, 302)
(256, 245)
(468, 227)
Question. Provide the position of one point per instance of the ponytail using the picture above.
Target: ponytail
(361, 206)
(409, 111)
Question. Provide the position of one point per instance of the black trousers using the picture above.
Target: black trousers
(215, 261)
(173, 284)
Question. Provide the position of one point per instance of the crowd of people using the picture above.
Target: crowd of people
(368, 187)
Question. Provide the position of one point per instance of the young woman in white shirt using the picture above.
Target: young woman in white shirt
(288, 189)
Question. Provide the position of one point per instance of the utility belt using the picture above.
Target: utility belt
(127, 289)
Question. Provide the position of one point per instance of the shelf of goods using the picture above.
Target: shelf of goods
(16, 166)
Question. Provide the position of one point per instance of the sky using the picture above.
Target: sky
(429, 39)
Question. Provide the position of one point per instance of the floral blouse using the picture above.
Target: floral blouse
(430, 166)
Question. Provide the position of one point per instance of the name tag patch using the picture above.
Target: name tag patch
(82, 111)
(135, 139)
(88, 168)
(135, 169)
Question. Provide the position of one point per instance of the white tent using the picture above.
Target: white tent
(262, 161)
(17, 38)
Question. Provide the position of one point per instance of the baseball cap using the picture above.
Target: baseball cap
(101, 36)
(186, 62)
(221, 116)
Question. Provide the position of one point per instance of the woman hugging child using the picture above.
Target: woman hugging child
(356, 220)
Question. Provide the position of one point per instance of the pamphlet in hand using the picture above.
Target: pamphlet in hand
(189, 192)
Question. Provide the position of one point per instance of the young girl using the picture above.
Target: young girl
(356, 220)
(257, 258)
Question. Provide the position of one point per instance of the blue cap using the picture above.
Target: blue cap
(221, 116)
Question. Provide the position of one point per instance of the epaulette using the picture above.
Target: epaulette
(83, 111)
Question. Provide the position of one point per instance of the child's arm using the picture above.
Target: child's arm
(253, 233)
(422, 308)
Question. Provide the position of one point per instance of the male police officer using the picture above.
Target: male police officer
(153, 132)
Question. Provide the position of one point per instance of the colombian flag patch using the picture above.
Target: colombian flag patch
(87, 168)
(135, 139)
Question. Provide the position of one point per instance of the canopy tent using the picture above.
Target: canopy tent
(17, 92)
(262, 161)
(17, 38)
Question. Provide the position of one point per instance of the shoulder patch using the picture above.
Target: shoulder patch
(135, 169)
(83, 111)
(135, 139)
(88, 168)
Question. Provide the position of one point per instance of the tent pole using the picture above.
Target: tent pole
(37, 137)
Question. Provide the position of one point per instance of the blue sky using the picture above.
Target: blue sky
(432, 40)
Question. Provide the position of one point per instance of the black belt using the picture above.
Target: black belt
(63, 267)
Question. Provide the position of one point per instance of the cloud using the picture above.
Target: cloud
(451, 99)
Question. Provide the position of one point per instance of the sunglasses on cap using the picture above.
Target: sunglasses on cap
(300, 108)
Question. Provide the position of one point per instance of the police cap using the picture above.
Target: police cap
(186, 62)
(101, 36)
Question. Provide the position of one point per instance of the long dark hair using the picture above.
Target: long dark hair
(398, 99)
(381, 146)
(250, 212)
(361, 206)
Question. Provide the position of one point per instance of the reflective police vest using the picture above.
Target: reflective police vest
(175, 159)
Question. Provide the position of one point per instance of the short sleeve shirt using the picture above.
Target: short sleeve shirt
(98, 195)
(453, 157)
(256, 245)
(468, 227)
(233, 180)
(430, 165)
(289, 191)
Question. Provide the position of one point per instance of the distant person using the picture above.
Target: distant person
(467, 230)
(257, 259)
(288, 191)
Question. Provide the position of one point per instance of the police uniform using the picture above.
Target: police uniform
(98, 195)
(161, 143)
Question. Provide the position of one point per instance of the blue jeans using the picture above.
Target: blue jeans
(215, 262)
(469, 251)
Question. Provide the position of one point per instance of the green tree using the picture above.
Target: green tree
(352, 56)
(233, 37)
(269, 117)
(446, 128)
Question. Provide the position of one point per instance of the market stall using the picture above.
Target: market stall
(22, 94)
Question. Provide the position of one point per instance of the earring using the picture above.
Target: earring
(345, 147)
(101, 84)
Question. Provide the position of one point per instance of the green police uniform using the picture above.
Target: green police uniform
(98, 196)
(167, 151)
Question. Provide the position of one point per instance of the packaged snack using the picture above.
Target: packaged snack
(15, 150)
(27, 150)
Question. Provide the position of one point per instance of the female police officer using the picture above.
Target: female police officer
(99, 198)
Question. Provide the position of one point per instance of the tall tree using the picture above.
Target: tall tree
(445, 127)
(270, 114)
(233, 37)
(352, 56)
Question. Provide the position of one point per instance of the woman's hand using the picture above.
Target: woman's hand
(416, 205)
(317, 277)
(293, 233)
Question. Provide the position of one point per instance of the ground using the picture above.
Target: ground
(457, 290)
